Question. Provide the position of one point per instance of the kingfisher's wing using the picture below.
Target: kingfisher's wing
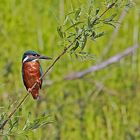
(41, 75)
(23, 78)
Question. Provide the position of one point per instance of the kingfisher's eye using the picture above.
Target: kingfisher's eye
(35, 55)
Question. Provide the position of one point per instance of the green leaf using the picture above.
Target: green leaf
(84, 55)
(110, 18)
(84, 43)
(93, 34)
(75, 47)
(90, 10)
(95, 22)
(98, 35)
(110, 24)
(74, 25)
(89, 23)
(37, 123)
(66, 20)
(76, 55)
(59, 30)
(2, 117)
(10, 124)
(71, 35)
(97, 11)
(77, 13)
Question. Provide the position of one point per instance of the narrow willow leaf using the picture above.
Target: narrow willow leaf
(84, 43)
(59, 30)
(97, 11)
(93, 34)
(10, 124)
(74, 25)
(13, 124)
(110, 18)
(70, 13)
(77, 13)
(66, 20)
(82, 52)
(44, 118)
(36, 124)
(84, 55)
(76, 46)
(110, 24)
(71, 35)
(89, 22)
(89, 10)
(76, 55)
(99, 35)
(32, 126)
(95, 22)
(3, 115)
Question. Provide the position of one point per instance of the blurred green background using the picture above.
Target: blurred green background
(101, 106)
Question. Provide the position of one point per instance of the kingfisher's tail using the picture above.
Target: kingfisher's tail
(35, 93)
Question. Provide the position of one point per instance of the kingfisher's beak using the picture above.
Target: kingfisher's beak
(44, 57)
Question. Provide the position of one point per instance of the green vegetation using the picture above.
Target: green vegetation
(103, 105)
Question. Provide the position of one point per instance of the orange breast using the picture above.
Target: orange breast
(31, 73)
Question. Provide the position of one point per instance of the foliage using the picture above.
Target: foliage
(81, 24)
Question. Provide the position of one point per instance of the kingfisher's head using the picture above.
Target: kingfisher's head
(32, 56)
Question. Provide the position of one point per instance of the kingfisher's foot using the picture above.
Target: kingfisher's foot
(38, 82)
(29, 90)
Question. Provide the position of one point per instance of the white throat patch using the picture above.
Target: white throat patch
(35, 60)
(25, 59)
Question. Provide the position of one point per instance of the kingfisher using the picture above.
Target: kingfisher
(32, 71)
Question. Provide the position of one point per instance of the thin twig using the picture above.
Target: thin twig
(49, 68)
(108, 8)
(101, 65)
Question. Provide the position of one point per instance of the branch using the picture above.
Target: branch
(50, 67)
(101, 65)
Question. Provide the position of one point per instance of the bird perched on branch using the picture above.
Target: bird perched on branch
(32, 71)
